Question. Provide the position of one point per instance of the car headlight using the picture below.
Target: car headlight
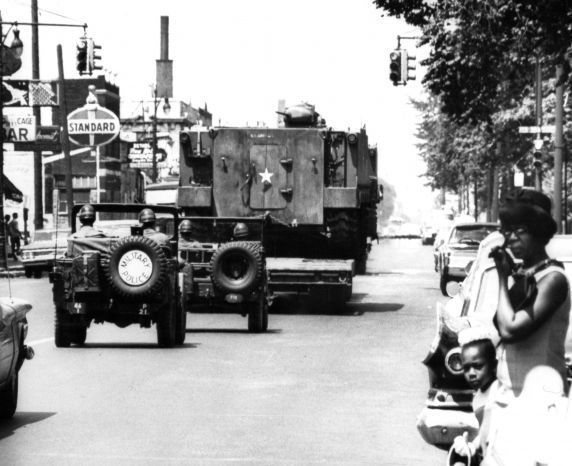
(26, 255)
(454, 362)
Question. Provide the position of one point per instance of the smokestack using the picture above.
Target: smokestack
(164, 77)
(164, 38)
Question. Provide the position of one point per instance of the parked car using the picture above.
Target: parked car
(13, 351)
(124, 278)
(459, 250)
(433, 222)
(40, 254)
(448, 409)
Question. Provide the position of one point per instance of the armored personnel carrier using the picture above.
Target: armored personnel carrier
(315, 188)
(317, 185)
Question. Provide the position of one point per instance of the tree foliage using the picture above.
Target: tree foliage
(480, 77)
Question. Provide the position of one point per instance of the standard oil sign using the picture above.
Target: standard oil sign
(92, 126)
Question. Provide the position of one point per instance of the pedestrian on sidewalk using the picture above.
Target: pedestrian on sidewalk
(15, 235)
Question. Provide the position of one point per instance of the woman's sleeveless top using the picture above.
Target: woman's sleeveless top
(545, 346)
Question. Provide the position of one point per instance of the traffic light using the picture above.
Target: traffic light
(407, 67)
(537, 159)
(81, 56)
(395, 67)
(92, 58)
(537, 153)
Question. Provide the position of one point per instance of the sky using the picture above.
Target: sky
(241, 57)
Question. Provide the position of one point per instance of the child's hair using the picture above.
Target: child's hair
(478, 336)
(487, 347)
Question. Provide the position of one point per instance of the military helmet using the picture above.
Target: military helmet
(240, 230)
(87, 212)
(147, 216)
(185, 226)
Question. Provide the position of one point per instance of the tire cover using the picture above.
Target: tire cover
(137, 267)
(247, 254)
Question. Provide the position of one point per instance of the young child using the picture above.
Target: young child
(479, 367)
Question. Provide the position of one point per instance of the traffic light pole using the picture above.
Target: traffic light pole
(3, 230)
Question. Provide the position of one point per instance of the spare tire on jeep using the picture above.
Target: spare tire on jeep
(237, 266)
(137, 268)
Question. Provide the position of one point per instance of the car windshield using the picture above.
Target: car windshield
(473, 234)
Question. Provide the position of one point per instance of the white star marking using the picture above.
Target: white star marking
(266, 176)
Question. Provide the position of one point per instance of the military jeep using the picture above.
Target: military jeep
(225, 273)
(124, 277)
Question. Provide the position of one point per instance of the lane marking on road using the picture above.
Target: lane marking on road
(39, 342)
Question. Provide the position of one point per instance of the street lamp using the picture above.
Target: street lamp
(166, 109)
(9, 63)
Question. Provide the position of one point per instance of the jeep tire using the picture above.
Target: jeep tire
(181, 320)
(237, 266)
(62, 328)
(144, 283)
(258, 315)
(167, 320)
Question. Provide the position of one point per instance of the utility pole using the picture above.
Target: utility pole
(38, 192)
(538, 169)
(558, 145)
(65, 137)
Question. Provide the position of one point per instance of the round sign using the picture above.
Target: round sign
(92, 125)
(135, 267)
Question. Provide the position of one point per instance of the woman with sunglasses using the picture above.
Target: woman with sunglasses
(534, 302)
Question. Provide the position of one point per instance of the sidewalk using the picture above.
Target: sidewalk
(14, 269)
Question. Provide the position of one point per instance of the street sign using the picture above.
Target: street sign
(28, 93)
(19, 128)
(92, 125)
(141, 155)
(536, 129)
(47, 138)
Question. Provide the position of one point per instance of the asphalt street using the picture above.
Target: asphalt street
(317, 388)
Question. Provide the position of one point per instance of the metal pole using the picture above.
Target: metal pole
(38, 191)
(65, 138)
(558, 145)
(97, 174)
(538, 170)
(154, 143)
(3, 257)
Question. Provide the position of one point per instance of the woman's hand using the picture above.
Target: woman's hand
(503, 261)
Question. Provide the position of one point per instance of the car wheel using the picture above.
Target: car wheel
(237, 266)
(38, 273)
(167, 322)
(28, 272)
(9, 398)
(62, 337)
(443, 280)
(258, 315)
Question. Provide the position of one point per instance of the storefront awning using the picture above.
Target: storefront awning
(11, 191)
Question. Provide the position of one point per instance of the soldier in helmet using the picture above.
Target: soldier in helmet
(86, 217)
(186, 240)
(148, 220)
(240, 232)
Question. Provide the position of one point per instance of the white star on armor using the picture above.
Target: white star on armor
(266, 176)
